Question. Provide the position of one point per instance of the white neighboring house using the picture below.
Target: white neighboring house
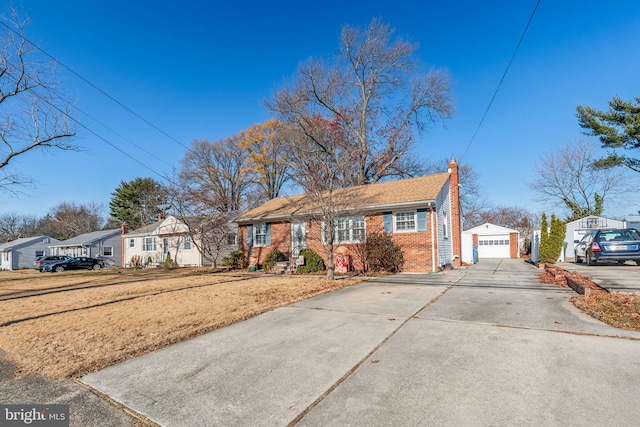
(578, 228)
(491, 241)
(22, 252)
(170, 236)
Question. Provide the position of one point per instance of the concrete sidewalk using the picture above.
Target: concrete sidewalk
(483, 345)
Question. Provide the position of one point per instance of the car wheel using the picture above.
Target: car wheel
(59, 269)
(621, 261)
(578, 259)
(590, 261)
(96, 266)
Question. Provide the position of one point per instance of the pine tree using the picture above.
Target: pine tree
(137, 202)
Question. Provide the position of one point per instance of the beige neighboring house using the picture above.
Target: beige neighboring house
(170, 236)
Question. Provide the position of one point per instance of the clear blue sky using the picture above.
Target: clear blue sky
(201, 70)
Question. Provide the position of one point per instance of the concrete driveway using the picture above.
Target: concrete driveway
(482, 345)
(611, 276)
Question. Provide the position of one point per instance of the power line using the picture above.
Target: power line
(78, 122)
(95, 86)
(486, 111)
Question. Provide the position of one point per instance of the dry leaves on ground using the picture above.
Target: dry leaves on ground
(618, 310)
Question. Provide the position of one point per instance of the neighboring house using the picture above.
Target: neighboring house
(21, 253)
(421, 214)
(578, 228)
(491, 241)
(104, 243)
(632, 223)
(153, 242)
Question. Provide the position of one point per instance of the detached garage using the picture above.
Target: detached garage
(491, 241)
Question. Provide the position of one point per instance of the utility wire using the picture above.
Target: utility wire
(123, 137)
(78, 122)
(95, 86)
(486, 111)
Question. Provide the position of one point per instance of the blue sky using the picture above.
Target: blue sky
(201, 70)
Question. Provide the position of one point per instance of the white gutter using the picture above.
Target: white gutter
(433, 244)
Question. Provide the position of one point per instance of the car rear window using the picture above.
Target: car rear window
(619, 235)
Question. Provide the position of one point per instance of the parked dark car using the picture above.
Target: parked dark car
(619, 244)
(41, 261)
(78, 263)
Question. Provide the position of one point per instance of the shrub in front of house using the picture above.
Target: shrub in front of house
(551, 239)
(235, 260)
(272, 258)
(168, 262)
(382, 254)
(136, 262)
(312, 262)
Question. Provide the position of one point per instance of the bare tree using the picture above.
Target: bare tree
(376, 93)
(215, 175)
(211, 231)
(33, 114)
(567, 178)
(321, 158)
(472, 200)
(70, 219)
(14, 225)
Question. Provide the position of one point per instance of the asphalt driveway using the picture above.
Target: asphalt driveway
(481, 345)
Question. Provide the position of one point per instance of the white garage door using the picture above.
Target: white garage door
(494, 246)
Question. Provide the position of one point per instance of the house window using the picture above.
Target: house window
(149, 244)
(232, 239)
(132, 242)
(260, 235)
(405, 221)
(107, 251)
(349, 230)
(187, 243)
(39, 253)
(445, 228)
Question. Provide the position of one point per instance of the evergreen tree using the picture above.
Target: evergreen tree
(617, 128)
(137, 202)
(543, 250)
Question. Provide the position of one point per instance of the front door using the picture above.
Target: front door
(298, 238)
(165, 248)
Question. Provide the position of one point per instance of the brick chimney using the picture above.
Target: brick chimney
(456, 215)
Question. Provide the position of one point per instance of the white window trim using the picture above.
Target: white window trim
(445, 225)
(415, 222)
(255, 235)
(154, 246)
(187, 239)
(129, 243)
(350, 228)
(104, 250)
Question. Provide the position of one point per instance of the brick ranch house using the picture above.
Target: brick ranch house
(422, 215)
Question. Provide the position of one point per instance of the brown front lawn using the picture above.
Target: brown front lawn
(65, 325)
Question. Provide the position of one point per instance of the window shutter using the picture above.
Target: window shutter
(249, 235)
(323, 229)
(267, 239)
(387, 219)
(422, 219)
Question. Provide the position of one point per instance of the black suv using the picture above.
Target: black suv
(616, 244)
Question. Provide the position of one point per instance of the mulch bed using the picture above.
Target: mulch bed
(579, 283)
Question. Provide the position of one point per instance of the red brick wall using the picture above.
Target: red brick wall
(456, 219)
(417, 247)
(514, 244)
